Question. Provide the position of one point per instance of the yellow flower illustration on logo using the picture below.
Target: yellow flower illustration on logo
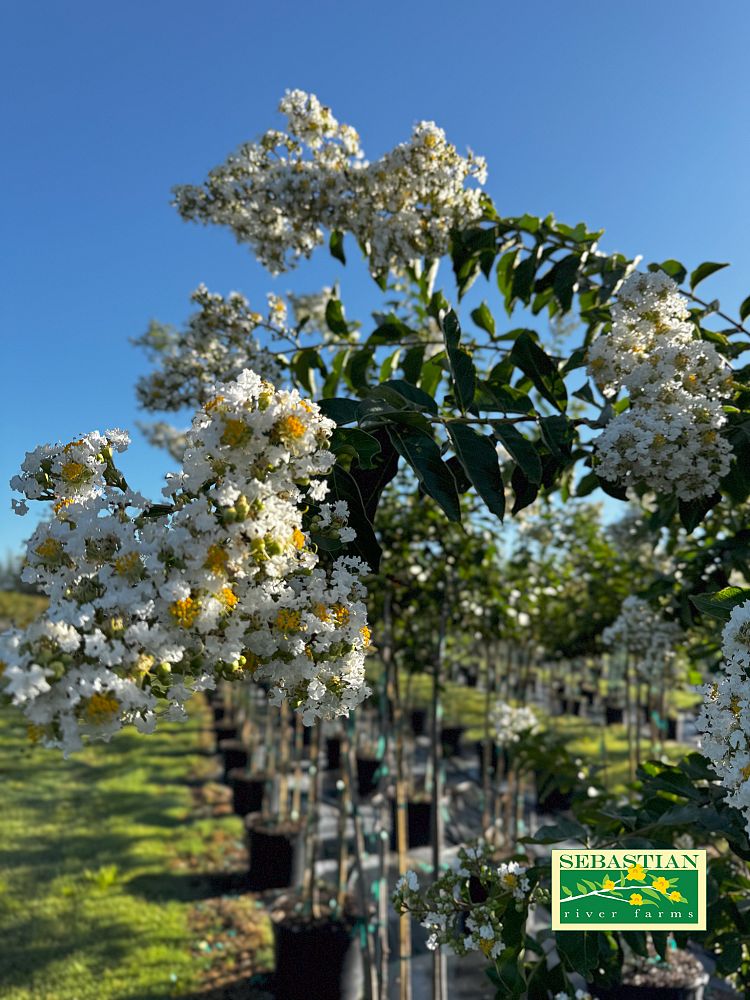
(675, 896)
(661, 884)
(636, 872)
(636, 899)
(608, 884)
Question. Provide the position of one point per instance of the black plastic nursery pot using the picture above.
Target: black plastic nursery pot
(418, 719)
(247, 792)
(614, 714)
(418, 826)
(571, 706)
(221, 713)
(450, 739)
(317, 960)
(225, 731)
(276, 856)
(625, 991)
(235, 755)
(333, 753)
(550, 797)
(367, 775)
(589, 695)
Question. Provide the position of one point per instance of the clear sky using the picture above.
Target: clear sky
(633, 117)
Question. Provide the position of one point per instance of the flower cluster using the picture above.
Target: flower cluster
(463, 909)
(642, 631)
(280, 193)
(669, 437)
(511, 723)
(217, 344)
(151, 602)
(725, 715)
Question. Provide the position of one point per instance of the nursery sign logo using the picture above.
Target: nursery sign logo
(628, 890)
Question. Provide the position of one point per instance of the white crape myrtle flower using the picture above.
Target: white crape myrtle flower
(669, 438)
(642, 631)
(462, 908)
(218, 343)
(280, 193)
(511, 722)
(151, 602)
(724, 720)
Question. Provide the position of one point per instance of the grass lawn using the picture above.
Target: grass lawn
(94, 904)
(605, 746)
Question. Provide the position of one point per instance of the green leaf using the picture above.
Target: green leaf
(411, 366)
(479, 459)
(343, 411)
(484, 318)
(357, 369)
(413, 394)
(390, 364)
(521, 450)
(336, 245)
(461, 366)
(333, 378)
(692, 512)
(564, 275)
(557, 434)
(304, 364)
(356, 443)
(506, 398)
(673, 268)
(423, 455)
(745, 309)
(703, 271)
(344, 487)
(335, 318)
(720, 604)
(536, 365)
(578, 949)
(524, 491)
(523, 279)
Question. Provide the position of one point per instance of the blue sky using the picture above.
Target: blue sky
(631, 117)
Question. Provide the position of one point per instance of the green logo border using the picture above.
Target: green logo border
(619, 854)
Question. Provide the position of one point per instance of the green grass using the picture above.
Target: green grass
(605, 746)
(91, 906)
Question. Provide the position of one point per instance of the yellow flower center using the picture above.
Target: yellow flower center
(74, 472)
(288, 620)
(62, 504)
(235, 433)
(321, 611)
(216, 560)
(129, 565)
(101, 708)
(290, 428)
(298, 539)
(34, 733)
(341, 614)
(185, 611)
(366, 634)
(50, 549)
(745, 772)
(510, 880)
(228, 598)
(213, 404)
